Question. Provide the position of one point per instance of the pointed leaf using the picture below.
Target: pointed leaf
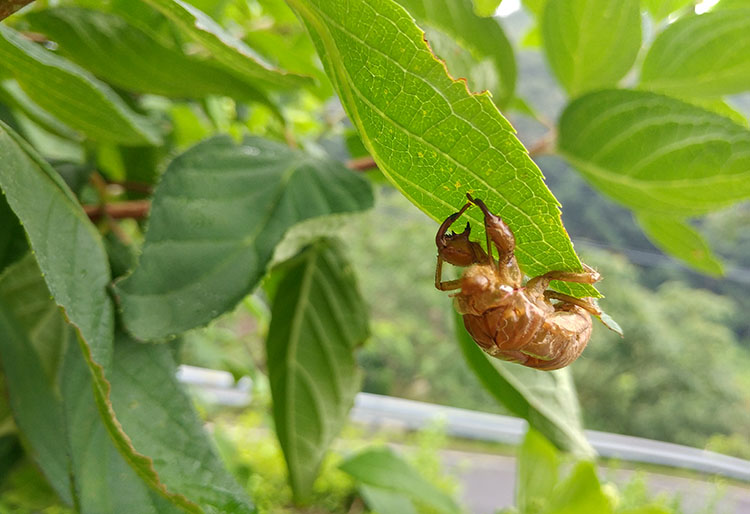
(54, 406)
(72, 94)
(428, 134)
(225, 48)
(538, 466)
(580, 492)
(128, 57)
(382, 469)
(105, 480)
(72, 258)
(701, 56)
(675, 237)
(546, 399)
(591, 44)
(655, 153)
(383, 501)
(161, 422)
(216, 217)
(484, 37)
(68, 247)
(318, 320)
(32, 335)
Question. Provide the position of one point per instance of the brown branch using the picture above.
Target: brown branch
(138, 187)
(361, 163)
(139, 209)
(134, 209)
(8, 7)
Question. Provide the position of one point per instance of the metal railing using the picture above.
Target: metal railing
(385, 411)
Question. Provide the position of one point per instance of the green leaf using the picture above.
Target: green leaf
(546, 399)
(579, 493)
(479, 75)
(653, 153)
(535, 7)
(318, 319)
(486, 8)
(432, 138)
(12, 94)
(54, 407)
(71, 94)
(72, 258)
(67, 245)
(161, 422)
(32, 335)
(538, 465)
(660, 9)
(676, 237)
(591, 44)
(649, 509)
(128, 57)
(154, 411)
(235, 55)
(382, 501)
(484, 37)
(104, 479)
(380, 468)
(216, 217)
(732, 4)
(13, 243)
(701, 56)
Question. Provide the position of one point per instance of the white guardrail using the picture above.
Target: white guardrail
(219, 387)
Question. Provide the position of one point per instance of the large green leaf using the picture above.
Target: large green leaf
(72, 94)
(72, 258)
(160, 420)
(68, 247)
(104, 479)
(674, 236)
(484, 37)
(546, 399)
(701, 56)
(225, 48)
(380, 468)
(153, 411)
(54, 407)
(124, 55)
(12, 94)
(216, 217)
(591, 44)
(429, 135)
(655, 153)
(318, 320)
(32, 335)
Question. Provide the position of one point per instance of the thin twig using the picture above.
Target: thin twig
(138, 209)
(133, 209)
(138, 187)
(361, 163)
